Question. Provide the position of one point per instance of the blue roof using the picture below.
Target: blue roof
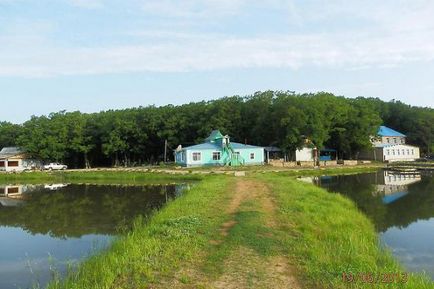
(392, 198)
(204, 146)
(236, 145)
(214, 146)
(387, 131)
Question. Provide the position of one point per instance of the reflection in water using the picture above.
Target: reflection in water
(65, 223)
(401, 205)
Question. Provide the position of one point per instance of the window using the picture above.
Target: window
(393, 152)
(394, 140)
(403, 151)
(13, 164)
(197, 157)
(252, 156)
(2, 164)
(408, 152)
(412, 152)
(398, 151)
(388, 140)
(388, 152)
(216, 156)
(13, 190)
(182, 156)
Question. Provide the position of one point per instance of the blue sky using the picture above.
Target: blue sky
(93, 55)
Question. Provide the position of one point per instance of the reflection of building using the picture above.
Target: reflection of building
(13, 195)
(394, 186)
(10, 196)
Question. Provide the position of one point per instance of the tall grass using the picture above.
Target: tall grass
(158, 247)
(328, 236)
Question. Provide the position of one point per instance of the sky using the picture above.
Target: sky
(93, 55)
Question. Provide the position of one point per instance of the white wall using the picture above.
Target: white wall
(400, 153)
(304, 155)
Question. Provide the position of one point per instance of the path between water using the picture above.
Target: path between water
(248, 251)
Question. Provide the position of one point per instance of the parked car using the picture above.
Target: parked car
(55, 166)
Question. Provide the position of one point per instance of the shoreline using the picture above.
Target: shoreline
(191, 241)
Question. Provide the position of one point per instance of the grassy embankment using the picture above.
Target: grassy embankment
(221, 234)
(104, 177)
(167, 176)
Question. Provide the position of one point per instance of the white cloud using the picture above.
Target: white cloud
(210, 52)
(382, 40)
(87, 4)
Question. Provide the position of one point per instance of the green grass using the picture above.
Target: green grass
(327, 236)
(106, 177)
(152, 250)
(323, 235)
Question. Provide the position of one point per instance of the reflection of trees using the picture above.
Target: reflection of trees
(417, 204)
(359, 188)
(83, 209)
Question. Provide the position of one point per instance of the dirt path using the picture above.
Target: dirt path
(245, 268)
(247, 253)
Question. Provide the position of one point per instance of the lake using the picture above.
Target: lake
(48, 229)
(401, 205)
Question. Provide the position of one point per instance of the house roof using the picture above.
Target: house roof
(214, 146)
(215, 134)
(8, 152)
(387, 131)
(272, 149)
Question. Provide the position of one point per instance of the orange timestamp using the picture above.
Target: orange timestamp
(375, 278)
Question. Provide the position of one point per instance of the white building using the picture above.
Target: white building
(13, 159)
(390, 146)
(305, 154)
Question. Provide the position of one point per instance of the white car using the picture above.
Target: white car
(55, 166)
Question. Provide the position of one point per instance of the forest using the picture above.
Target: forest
(137, 136)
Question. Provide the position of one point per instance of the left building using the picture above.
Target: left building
(218, 150)
(14, 159)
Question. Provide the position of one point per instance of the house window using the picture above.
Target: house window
(393, 152)
(388, 152)
(388, 140)
(403, 151)
(216, 156)
(252, 156)
(412, 152)
(398, 151)
(197, 157)
(394, 140)
(408, 152)
(13, 164)
(13, 190)
(2, 164)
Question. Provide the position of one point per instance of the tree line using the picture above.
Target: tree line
(137, 136)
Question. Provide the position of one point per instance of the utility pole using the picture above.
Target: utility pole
(165, 151)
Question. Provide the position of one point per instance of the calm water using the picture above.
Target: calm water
(402, 209)
(49, 228)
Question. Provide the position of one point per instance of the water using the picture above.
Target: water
(402, 209)
(46, 229)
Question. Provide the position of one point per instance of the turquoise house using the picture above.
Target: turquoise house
(218, 150)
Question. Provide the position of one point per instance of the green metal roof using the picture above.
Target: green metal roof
(215, 134)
